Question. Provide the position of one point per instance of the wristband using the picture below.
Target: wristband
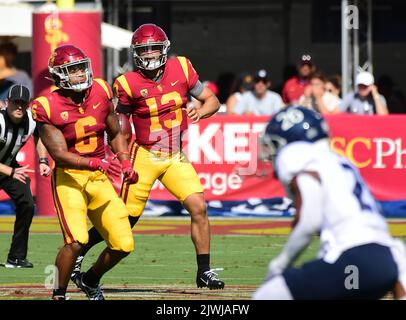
(44, 161)
(13, 170)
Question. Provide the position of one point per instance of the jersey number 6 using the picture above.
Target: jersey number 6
(87, 141)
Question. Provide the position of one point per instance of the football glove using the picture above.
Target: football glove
(130, 175)
(107, 166)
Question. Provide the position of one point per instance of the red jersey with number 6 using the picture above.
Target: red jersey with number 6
(83, 126)
(158, 108)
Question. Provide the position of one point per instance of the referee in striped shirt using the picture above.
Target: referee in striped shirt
(16, 127)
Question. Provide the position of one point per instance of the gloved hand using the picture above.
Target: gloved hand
(130, 175)
(107, 166)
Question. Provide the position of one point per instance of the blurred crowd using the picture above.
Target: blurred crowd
(253, 93)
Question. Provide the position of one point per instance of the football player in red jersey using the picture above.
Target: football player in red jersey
(73, 120)
(155, 95)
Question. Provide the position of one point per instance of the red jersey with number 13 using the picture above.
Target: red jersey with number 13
(158, 108)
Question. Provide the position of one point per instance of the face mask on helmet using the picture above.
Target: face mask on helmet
(76, 75)
(269, 145)
(150, 56)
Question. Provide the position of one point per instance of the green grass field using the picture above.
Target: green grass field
(161, 263)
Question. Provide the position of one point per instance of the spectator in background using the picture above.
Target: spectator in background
(366, 100)
(294, 88)
(8, 72)
(333, 85)
(243, 83)
(395, 99)
(316, 96)
(260, 100)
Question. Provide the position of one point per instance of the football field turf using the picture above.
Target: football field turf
(163, 264)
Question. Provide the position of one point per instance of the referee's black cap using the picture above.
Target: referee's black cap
(18, 93)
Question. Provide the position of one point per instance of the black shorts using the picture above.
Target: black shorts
(364, 272)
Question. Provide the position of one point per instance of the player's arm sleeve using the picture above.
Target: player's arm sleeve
(197, 89)
(105, 87)
(124, 95)
(308, 202)
(40, 110)
(190, 73)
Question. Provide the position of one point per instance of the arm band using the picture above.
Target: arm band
(121, 108)
(44, 161)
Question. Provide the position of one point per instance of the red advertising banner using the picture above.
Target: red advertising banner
(376, 145)
(223, 149)
(224, 153)
(50, 30)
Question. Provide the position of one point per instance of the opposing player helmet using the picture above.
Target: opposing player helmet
(70, 68)
(294, 123)
(150, 47)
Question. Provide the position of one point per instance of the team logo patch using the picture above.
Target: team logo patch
(159, 87)
(65, 115)
(81, 110)
(144, 92)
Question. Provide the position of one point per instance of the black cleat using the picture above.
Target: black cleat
(18, 263)
(77, 267)
(209, 279)
(93, 293)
